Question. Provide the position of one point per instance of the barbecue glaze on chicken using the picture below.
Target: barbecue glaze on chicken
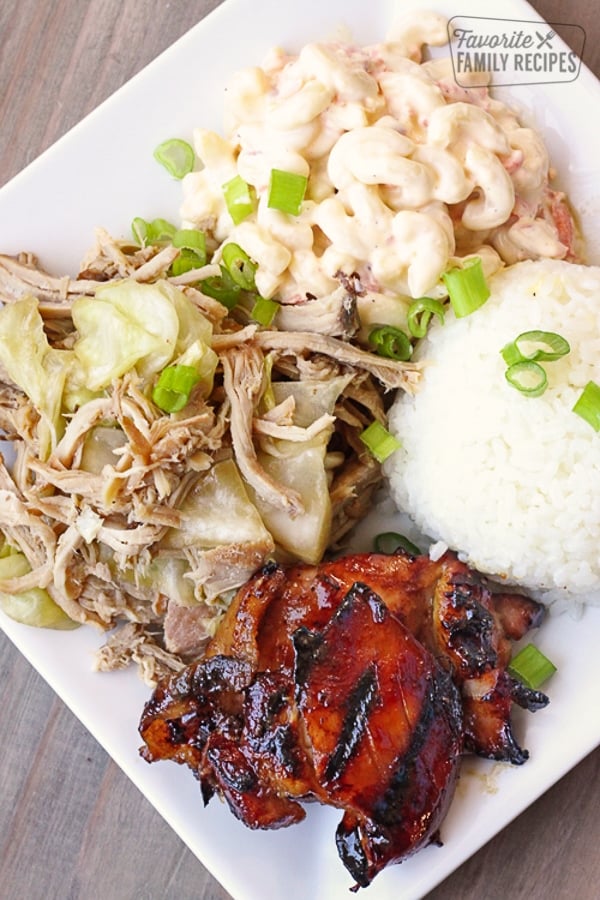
(444, 604)
(358, 683)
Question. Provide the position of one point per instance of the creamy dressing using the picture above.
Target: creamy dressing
(408, 173)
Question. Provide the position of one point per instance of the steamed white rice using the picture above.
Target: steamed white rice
(510, 482)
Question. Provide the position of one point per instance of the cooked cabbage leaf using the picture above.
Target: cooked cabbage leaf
(312, 397)
(125, 325)
(218, 512)
(300, 467)
(33, 607)
(130, 325)
(36, 367)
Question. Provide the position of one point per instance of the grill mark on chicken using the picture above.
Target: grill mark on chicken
(470, 633)
(269, 728)
(389, 809)
(361, 698)
(356, 722)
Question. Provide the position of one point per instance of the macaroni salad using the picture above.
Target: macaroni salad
(407, 174)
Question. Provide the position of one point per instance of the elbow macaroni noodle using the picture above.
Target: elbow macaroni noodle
(408, 173)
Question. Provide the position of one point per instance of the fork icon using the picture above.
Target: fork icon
(545, 41)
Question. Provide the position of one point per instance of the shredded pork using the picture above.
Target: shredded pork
(142, 522)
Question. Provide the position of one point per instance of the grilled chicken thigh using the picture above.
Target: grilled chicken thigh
(358, 683)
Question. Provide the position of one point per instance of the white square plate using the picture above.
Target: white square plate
(103, 173)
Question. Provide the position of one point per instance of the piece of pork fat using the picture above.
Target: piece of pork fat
(187, 630)
(334, 315)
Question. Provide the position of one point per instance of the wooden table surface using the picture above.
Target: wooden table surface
(71, 824)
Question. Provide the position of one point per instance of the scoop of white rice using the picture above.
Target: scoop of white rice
(511, 482)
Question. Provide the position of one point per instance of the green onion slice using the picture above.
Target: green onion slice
(160, 230)
(174, 386)
(154, 232)
(286, 191)
(391, 342)
(529, 378)
(240, 199)
(265, 310)
(192, 245)
(390, 541)
(420, 313)
(222, 288)
(379, 441)
(176, 156)
(186, 261)
(239, 265)
(467, 287)
(531, 667)
(535, 346)
(191, 239)
(588, 405)
(139, 229)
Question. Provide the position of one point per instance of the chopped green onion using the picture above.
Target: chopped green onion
(176, 156)
(510, 354)
(174, 386)
(192, 244)
(186, 262)
(154, 232)
(139, 229)
(390, 541)
(379, 441)
(467, 287)
(420, 313)
(240, 199)
(160, 230)
(391, 342)
(286, 191)
(588, 405)
(191, 239)
(222, 288)
(239, 265)
(265, 310)
(527, 377)
(531, 667)
(535, 346)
